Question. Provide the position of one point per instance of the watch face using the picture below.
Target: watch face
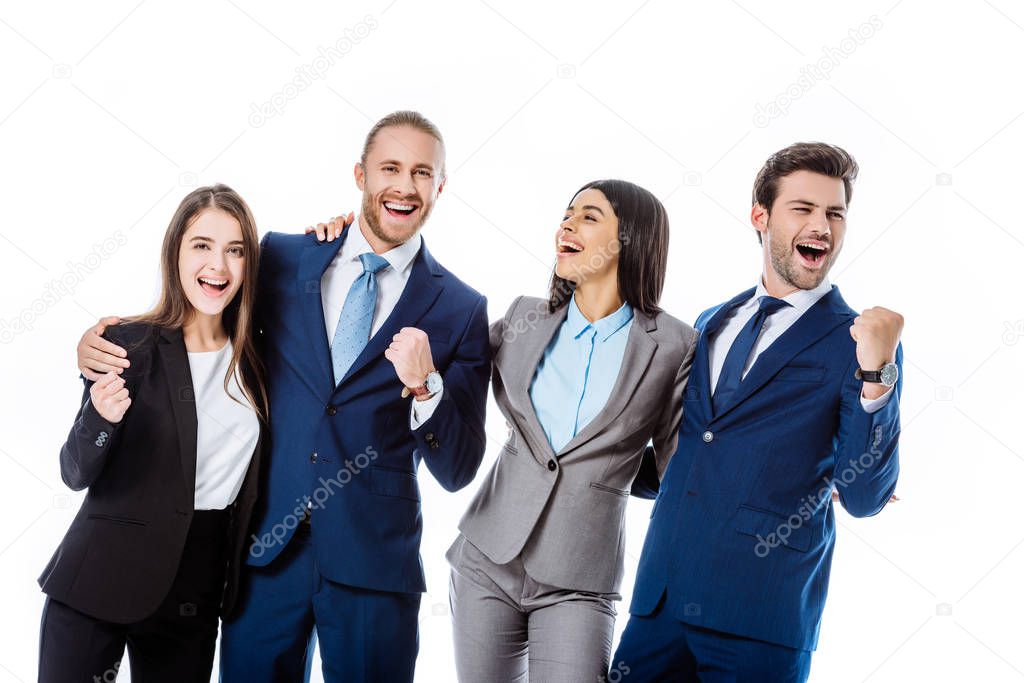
(890, 373)
(434, 382)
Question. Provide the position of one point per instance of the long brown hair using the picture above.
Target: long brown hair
(174, 309)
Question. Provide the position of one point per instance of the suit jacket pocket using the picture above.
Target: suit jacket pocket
(609, 489)
(389, 481)
(801, 373)
(774, 529)
(117, 520)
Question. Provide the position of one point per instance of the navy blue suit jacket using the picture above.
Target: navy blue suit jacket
(349, 447)
(743, 528)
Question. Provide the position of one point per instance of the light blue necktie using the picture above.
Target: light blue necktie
(356, 318)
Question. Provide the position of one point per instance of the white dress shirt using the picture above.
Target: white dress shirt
(342, 272)
(777, 323)
(227, 431)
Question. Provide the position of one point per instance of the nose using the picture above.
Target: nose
(820, 225)
(404, 186)
(217, 262)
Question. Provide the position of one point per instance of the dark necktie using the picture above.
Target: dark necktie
(732, 370)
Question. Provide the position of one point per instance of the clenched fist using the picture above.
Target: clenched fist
(877, 333)
(409, 352)
(109, 397)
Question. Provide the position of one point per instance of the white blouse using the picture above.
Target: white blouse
(227, 431)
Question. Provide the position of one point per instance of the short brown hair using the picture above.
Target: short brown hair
(817, 157)
(412, 119)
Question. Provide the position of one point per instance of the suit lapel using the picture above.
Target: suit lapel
(421, 290)
(518, 365)
(820, 319)
(702, 359)
(183, 401)
(312, 263)
(640, 348)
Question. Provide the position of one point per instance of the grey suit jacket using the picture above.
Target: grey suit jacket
(564, 512)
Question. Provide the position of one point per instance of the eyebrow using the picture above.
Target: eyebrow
(202, 238)
(394, 162)
(806, 202)
(585, 207)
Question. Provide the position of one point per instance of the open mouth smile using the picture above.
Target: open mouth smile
(568, 247)
(812, 253)
(212, 286)
(400, 210)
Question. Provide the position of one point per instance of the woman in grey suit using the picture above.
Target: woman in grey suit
(591, 385)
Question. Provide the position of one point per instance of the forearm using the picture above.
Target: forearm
(452, 442)
(452, 439)
(87, 448)
(867, 460)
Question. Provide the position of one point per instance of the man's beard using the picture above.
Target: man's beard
(784, 264)
(371, 213)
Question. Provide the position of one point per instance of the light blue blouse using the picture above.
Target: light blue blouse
(578, 371)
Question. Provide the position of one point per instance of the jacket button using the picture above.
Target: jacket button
(708, 437)
(429, 436)
(552, 465)
(331, 410)
(312, 458)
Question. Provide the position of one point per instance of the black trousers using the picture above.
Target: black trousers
(174, 644)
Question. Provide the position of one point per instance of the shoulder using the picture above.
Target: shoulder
(131, 332)
(704, 317)
(673, 333)
(530, 308)
(281, 243)
(672, 327)
(456, 290)
(138, 339)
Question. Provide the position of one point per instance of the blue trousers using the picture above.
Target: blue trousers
(287, 606)
(660, 648)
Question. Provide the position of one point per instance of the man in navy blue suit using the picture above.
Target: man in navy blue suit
(377, 358)
(792, 395)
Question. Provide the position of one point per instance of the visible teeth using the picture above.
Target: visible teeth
(574, 247)
(399, 207)
(211, 281)
(811, 246)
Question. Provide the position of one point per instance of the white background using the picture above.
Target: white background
(110, 115)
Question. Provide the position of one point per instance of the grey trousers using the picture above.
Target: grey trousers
(510, 628)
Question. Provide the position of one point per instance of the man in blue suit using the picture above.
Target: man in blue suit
(350, 328)
(792, 395)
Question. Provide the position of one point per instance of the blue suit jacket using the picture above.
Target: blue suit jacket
(349, 447)
(742, 532)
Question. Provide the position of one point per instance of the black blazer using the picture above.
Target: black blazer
(119, 558)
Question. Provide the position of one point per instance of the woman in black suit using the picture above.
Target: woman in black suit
(168, 447)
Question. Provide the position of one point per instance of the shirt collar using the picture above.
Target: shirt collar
(801, 299)
(604, 328)
(399, 258)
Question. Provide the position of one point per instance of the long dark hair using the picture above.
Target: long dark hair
(174, 310)
(643, 247)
